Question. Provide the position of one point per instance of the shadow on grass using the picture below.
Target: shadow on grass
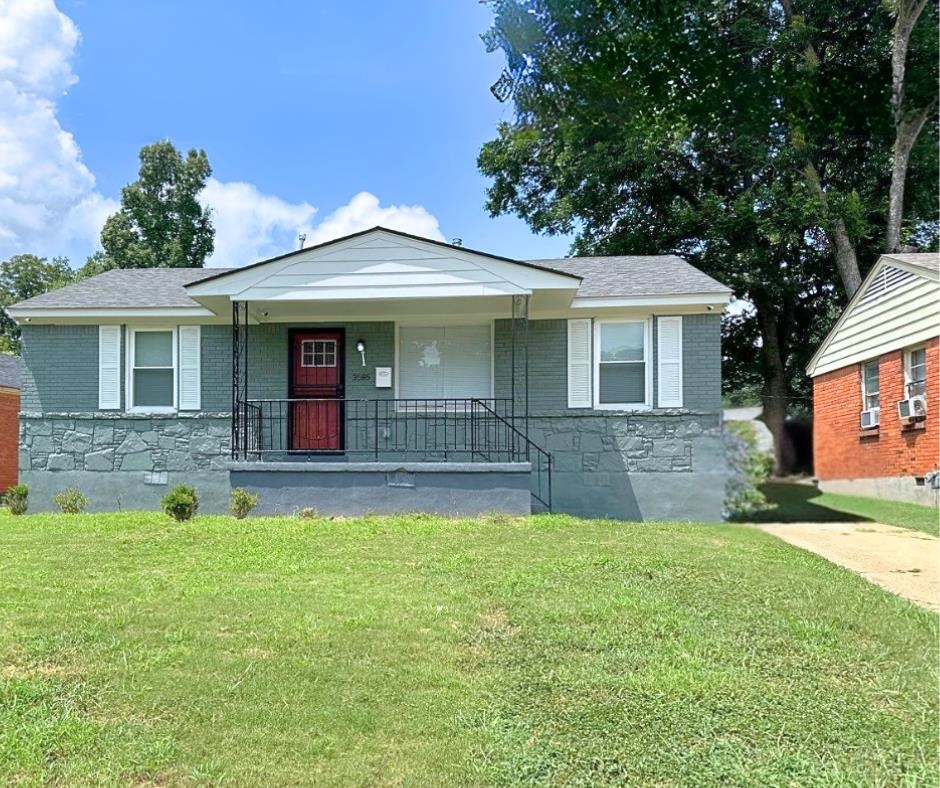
(793, 503)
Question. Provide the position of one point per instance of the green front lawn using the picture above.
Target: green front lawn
(796, 503)
(425, 651)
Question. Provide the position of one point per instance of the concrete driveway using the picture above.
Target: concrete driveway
(902, 561)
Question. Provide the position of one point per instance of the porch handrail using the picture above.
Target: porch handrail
(543, 459)
(468, 429)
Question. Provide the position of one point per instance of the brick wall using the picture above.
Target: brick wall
(548, 363)
(60, 368)
(843, 451)
(9, 432)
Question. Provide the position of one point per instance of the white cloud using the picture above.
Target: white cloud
(364, 211)
(47, 199)
(249, 225)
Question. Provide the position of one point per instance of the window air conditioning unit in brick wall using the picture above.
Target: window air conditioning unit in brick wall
(912, 409)
(871, 418)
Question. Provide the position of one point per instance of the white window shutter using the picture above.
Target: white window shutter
(190, 371)
(109, 367)
(669, 361)
(579, 363)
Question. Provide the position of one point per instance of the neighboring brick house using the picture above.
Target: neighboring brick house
(10, 374)
(876, 386)
(383, 372)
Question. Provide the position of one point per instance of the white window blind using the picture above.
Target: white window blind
(669, 361)
(445, 362)
(870, 396)
(109, 367)
(190, 375)
(579, 363)
(622, 358)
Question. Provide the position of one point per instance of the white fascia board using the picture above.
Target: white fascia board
(109, 313)
(824, 345)
(919, 270)
(691, 299)
(812, 368)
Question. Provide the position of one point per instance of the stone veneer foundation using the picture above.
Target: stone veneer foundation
(657, 465)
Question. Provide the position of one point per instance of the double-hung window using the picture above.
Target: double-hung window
(870, 398)
(445, 363)
(915, 372)
(152, 369)
(622, 364)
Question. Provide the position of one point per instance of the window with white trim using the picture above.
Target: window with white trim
(445, 362)
(870, 386)
(915, 372)
(621, 355)
(152, 365)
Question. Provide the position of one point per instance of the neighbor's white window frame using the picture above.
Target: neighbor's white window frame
(129, 376)
(647, 323)
(441, 323)
(908, 380)
(876, 363)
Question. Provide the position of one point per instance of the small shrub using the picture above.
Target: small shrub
(71, 500)
(308, 513)
(243, 502)
(17, 498)
(750, 468)
(181, 502)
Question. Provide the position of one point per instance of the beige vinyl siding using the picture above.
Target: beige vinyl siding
(878, 324)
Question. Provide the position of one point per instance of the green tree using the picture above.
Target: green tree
(95, 264)
(161, 222)
(688, 127)
(24, 276)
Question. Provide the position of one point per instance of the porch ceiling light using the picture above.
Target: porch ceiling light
(361, 347)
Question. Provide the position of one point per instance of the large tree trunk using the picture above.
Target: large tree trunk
(846, 261)
(907, 126)
(905, 136)
(775, 396)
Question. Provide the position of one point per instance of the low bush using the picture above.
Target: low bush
(181, 502)
(308, 513)
(750, 468)
(17, 498)
(243, 502)
(71, 500)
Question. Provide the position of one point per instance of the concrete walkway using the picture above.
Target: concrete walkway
(902, 561)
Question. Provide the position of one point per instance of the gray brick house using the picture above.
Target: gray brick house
(383, 372)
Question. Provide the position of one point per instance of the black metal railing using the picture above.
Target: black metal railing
(426, 430)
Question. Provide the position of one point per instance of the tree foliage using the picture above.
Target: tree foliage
(25, 276)
(698, 128)
(161, 222)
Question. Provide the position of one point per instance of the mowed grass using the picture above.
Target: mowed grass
(789, 502)
(425, 651)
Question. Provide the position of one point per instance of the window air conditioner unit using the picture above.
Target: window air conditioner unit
(912, 409)
(871, 418)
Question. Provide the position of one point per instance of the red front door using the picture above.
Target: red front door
(317, 381)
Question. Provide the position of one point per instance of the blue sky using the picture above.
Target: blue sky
(300, 106)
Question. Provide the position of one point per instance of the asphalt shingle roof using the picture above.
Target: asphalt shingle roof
(642, 275)
(126, 287)
(11, 371)
(165, 287)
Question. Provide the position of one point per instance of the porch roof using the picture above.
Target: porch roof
(375, 266)
(379, 265)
